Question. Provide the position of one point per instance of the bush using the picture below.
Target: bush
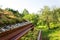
(1, 23)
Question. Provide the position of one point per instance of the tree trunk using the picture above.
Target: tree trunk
(48, 25)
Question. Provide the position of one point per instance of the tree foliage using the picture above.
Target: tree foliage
(46, 17)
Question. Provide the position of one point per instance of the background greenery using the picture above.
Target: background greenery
(47, 20)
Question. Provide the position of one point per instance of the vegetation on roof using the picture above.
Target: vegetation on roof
(9, 16)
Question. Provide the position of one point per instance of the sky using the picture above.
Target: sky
(30, 5)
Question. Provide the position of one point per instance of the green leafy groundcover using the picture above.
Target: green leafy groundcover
(52, 34)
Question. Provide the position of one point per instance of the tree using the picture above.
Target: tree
(46, 16)
(25, 12)
(56, 13)
(32, 18)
